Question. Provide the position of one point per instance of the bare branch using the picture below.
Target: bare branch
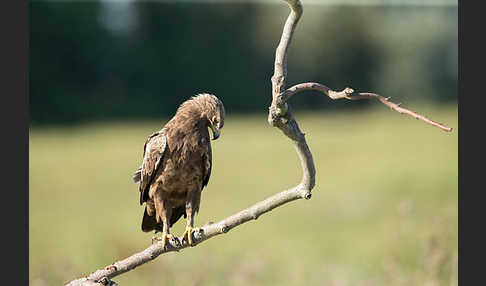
(285, 122)
(349, 93)
(279, 116)
(204, 233)
(280, 67)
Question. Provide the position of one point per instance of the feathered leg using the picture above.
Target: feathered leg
(163, 213)
(192, 207)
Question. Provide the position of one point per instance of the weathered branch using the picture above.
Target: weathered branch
(204, 233)
(282, 120)
(279, 116)
(280, 67)
(350, 94)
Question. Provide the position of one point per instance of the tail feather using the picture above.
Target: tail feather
(177, 213)
(149, 223)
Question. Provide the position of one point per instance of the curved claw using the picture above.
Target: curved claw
(163, 238)
(187, 235)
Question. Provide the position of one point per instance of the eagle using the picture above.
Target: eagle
(176, 166)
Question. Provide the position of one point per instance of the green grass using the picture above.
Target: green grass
(383, 212)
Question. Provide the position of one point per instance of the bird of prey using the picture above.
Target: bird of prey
(176, 166)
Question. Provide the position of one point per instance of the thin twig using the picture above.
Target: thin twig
(349, 93)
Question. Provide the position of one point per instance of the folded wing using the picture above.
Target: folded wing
(153, 156)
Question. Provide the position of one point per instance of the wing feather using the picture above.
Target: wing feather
(138, 175)
(207, 165)
(154, 150)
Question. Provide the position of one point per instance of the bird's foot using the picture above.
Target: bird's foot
(187, 235)
(163, 238)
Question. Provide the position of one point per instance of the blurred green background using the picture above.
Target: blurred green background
(106, 74)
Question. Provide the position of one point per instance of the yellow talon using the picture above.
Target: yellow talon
(188, 234)
(162, 238)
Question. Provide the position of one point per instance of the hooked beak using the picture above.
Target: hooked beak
(215, 130)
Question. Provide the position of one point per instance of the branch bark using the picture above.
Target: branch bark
(204, 233)
(279, 116)
(349, 93)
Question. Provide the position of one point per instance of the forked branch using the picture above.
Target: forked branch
(280, 117)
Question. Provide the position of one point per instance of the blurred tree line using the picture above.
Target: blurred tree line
(102, 60)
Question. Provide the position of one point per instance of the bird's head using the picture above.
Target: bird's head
(211, 111)
(216, 121)
(214, 114)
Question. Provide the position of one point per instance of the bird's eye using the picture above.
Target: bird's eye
(215, 120)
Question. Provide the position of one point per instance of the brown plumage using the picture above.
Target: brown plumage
(177, 165)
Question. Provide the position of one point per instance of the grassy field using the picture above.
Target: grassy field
(383, 212)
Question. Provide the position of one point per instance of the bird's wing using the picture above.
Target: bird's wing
(153, 156)
(138, 175)
(207, 165)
